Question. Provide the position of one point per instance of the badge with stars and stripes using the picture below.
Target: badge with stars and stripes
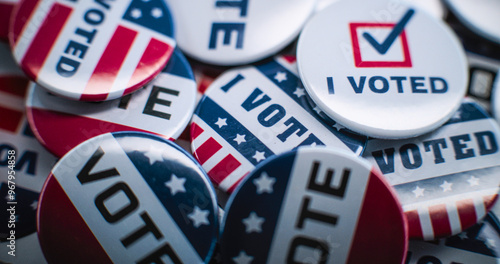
(446, 180)
(251, 113)
(128, 197)
(163, 107)
(314, 205)
(32, 164)
(92, 50)
(478, 244)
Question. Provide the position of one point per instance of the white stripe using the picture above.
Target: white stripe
(450, 199)
(234, 177)
(453, 218)
(425, 223)
(129, 65)
(479, 207)
(110, 234)
(12, 102)
(31, 28)
(339, 236)
(291, 66)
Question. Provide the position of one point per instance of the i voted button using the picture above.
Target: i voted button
(6, 9)
(382, 78)
(251, 113)
(227, 32)
(127, 197)
(446, 180)
(163, 107)
(314, 205)
(24, 166)
(92, 50)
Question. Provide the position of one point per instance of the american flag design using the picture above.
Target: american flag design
(128, 197)
(252, 113)
(163, 107)
(280, 214)
(478, 244)
(6, 8)
(92, 50)
(33, 164)
(448, 179)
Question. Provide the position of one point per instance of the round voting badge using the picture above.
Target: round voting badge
(314, 205)
(92, 50)
(446, 180)
(24, 166)
(382, 69)
(227, 32)
(249, 114)
(127, 197)
(163, 107)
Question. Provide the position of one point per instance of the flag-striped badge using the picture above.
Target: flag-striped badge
(446, 180)
(314, 205)
(92, 50)
(164, 107)
(128, 197)
(24, 166)
(251, 113)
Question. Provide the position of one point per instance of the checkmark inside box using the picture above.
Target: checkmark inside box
(395, 53)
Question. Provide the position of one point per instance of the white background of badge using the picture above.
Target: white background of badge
(74, 86)
(339, 237)
(269, 27)
(181, 109)
(407, 116)
(451, 165)
(109, 235)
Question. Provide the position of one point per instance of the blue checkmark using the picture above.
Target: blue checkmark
(396, 31)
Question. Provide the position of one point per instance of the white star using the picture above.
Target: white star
(34, 204)
(259, 156)
(156, 12)
(314, 144)
(457, 115)
(337, 126)
(280, 76)
(243, 258)
(418, 192)
(199, 217)
(264, 183)
(473, 181)
(463, 236)
(240, 138)
(154, 155)
(253, 223)
(176, 184)
(490, 243)
(221, 122)
(317, 110)
(299, 92)
(136, 13)
(446, 186)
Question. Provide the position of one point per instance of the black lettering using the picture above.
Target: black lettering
(385, 166)
(373, 87)
(459, 147)
(153, 100)
(405, 157)
(357, 88)
(399, 81)
(296, 126)
(29, 159)
(251, 102)
(325, 187)
(271, 115)
(305, 213)
(436, 145)
(481, 141)
(84, 175)
(94, 17)
(124, 211)
(67, 67)
(148, 227)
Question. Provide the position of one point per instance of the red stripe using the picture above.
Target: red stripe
(439, 220)
(42, 43)
(109, 65)
(23, 12)
(60, 132)
(61, 229)
(196, 130)
(11, 119)
(223, 168)
(14, 85)
(207, 150)
(204, 83)
(290, 59)
(414, 225)
(5, 11)
(154, 59)
(381, 232)
(466, 213)
(231, 189)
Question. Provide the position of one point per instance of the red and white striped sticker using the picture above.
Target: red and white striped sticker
(92, 50)
(314, 205)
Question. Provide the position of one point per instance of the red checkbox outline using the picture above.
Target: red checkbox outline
(358, 62)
